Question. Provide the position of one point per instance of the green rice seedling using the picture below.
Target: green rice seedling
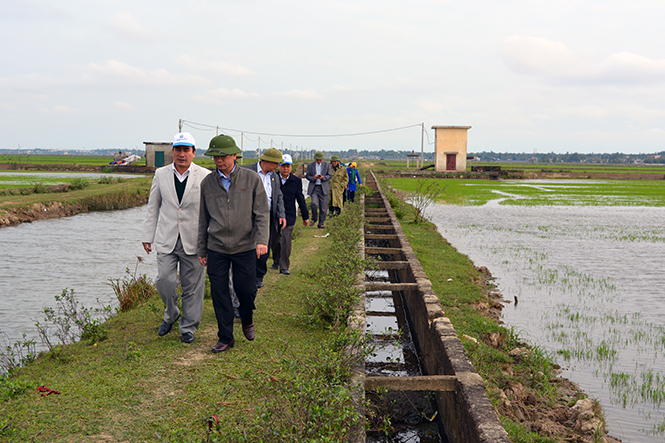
(604, 351)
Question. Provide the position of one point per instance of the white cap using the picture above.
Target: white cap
(183, 139)
(286, 160)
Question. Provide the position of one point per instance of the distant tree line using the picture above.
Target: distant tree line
(615, 158)
(384, 154)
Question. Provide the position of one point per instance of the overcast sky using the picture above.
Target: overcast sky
(527, 75)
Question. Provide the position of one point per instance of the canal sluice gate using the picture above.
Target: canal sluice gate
(417, 373)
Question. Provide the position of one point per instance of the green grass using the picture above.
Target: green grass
(136, 386)
(95, 193)
(575, 167)
(26, 180)
(92, 160)
(552, 192)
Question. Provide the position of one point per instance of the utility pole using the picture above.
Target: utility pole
(217, 130)
(179, 125)
(242, 149)
(422, 149)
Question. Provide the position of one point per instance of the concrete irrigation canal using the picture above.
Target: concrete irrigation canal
(417, 366)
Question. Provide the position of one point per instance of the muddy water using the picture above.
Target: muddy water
(82, 252)
(590, 288)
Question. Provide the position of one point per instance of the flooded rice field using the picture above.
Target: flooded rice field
(39, 260)
(587, 284)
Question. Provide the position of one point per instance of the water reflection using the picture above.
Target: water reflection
(82, 252)
(589, 283)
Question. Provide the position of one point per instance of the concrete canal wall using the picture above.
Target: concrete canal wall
(465, 410)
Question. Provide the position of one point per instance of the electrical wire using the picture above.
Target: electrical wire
(190, 123)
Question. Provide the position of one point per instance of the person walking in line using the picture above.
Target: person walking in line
(318, 174)
(292, 193)
(233, 231)
(337, 185)
(354, 181)
(171, 223)
(265, 167)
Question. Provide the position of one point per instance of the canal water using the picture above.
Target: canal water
(587, 284)
(82, 252)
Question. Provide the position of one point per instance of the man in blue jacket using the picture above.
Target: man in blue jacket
(292, 193)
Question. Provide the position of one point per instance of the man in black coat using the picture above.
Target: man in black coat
(268, 162)
(291, 193)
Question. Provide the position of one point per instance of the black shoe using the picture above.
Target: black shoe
(249, 331)
(165, 328)
(274, 266)
(221, 347)
(259, 283)
(285, 271)
(187, 337)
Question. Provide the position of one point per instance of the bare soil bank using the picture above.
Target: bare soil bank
(40, 211)
(565, 416)
(57, 209)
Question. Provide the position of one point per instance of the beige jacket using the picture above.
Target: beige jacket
(165, 218)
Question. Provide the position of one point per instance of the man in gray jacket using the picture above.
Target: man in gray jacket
(265, 167)
(233, 231)
(318, 173)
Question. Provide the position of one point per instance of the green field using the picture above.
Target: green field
(28, 180)
(543, 192)
(576, 167)
(92, 160)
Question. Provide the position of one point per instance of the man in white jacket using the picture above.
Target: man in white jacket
(171, 223)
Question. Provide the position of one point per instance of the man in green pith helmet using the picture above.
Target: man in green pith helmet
(233, 231)
(318, 174)
(265, 167)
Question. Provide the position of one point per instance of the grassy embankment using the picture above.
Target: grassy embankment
(287, 385)
(39, 202)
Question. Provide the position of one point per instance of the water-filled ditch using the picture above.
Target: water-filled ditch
(412, 414)
(394, 416)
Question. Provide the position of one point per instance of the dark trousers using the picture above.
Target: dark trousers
(352, 195)
(244, 283)
(281, 252)
(262, 262)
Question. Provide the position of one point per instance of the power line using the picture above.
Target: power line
(190, 123)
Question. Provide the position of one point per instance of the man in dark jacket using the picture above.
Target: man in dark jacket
(265, 167)
(318, 174)
(233, 231)
(292, 193)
